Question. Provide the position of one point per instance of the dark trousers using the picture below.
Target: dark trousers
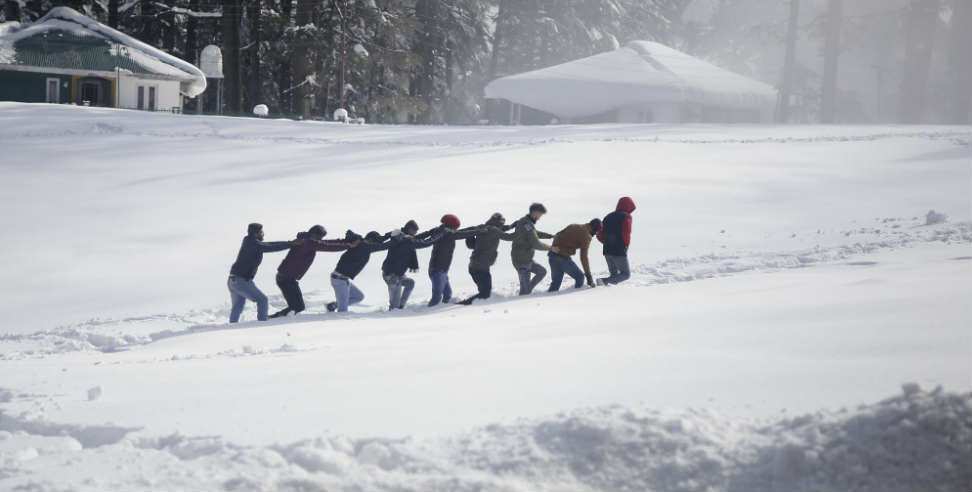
(290, 289)
(484, 282)
(559, 265)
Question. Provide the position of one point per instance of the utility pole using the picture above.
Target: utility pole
(783, 105)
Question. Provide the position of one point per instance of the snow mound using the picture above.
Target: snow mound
(918, 440)
(933, 217)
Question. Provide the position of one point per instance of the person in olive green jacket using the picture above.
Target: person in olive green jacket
(526, 241)
(569, 240)
(485, 246)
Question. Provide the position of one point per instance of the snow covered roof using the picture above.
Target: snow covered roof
(67, 39)
(641, 72)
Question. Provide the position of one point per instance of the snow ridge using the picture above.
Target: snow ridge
(917, 440)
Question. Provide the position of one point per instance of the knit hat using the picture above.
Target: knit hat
(496, 219)
(538, 207)
(411, 224)
(254, 228)
(318, 230)
(450, 221)
(595, 225)
(351, 236)
(373, 236)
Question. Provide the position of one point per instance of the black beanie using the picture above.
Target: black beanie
(373, 236)
(254, 228)
(411, 224)
(538, 207)
(595, 225)
(318, 229)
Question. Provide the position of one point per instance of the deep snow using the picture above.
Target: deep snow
(778, 272)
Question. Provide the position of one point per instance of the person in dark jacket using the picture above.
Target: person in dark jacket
(401, 257)
(569, 240)
(485, 246)
(244, 269)
(350, 265)
(526, 241)
(616, 236)
(298, 261)
(442, 252)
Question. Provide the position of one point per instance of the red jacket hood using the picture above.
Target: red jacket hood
(626, 204)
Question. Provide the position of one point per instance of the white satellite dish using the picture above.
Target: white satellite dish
(211, 62)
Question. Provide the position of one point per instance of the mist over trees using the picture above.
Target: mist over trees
(427, 61)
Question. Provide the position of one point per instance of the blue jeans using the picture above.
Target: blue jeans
(399, 288)
(242, 289)
(345, 293)
(559, 265)
(441, 290)
(618, 268)
(524, 272)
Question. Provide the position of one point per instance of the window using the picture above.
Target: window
(141, 97)
(151, 106)
(53, 90)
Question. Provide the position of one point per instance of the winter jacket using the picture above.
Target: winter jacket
(572, 238)
(526, 240)
(443, 249)
(615, 230)
(354, 260)
(485, 247)
(251, 255)
(401, 252)
(300, 258)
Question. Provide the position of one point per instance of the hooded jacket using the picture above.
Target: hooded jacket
(401, 252)
(445, 247)
(572, 238)
(300, 258)
(251, 255)
(526, 240)
(486, 244)
(615, 231)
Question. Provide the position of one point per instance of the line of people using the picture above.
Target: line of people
(613, 231)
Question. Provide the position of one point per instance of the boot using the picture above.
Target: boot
(280, 314)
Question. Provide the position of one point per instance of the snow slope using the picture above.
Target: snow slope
(780, 274)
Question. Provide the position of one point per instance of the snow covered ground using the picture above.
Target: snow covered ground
(782, 278)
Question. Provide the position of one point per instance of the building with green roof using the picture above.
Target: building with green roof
(66, 57)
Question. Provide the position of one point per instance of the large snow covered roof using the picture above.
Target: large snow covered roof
(69, 26)
(641, 72)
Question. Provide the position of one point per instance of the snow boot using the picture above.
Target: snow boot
(280, 314)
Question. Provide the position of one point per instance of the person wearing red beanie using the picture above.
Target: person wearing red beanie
(442, 252)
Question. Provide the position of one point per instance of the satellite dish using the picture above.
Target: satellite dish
(211, 62)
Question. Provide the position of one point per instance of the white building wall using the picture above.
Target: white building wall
(167, 95)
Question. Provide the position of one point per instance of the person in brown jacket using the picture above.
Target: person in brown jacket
(567, 241)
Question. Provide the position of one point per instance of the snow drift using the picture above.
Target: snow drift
(918, 440)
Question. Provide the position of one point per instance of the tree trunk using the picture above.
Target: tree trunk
(301, 58)
(831, 57)
(786, 88)
(960, 67)
(231, 55)
(192, 43)
(497, 40)
(169, 32)
(254, 79)
(11, 11)
(920, 37)
(112, 14)
(284, 70)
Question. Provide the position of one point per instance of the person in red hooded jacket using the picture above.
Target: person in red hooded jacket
(615, 234)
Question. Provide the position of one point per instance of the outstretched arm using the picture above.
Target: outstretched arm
(272, 246)
(333, 245)
(425, 243)
(544, 235)
(532, 236)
